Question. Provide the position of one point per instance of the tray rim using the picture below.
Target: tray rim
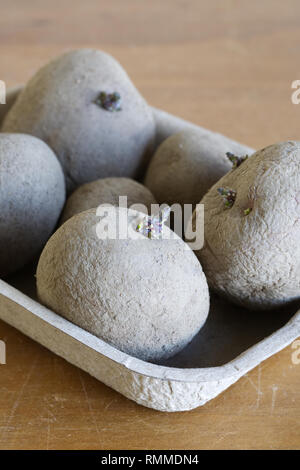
(244, 362)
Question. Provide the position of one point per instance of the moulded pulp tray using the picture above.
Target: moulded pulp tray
(232, 342)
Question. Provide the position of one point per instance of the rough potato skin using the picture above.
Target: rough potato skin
(254, 259)
(32, 195)
(146, 297)
(107, 191)
(58, 106)
(186, 165)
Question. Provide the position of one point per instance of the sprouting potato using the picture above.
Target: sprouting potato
(84, 106)
(252, 229)
(147, 297)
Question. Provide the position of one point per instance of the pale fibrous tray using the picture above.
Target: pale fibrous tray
(232, 342)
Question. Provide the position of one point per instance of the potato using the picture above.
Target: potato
(84, 106)
(107, 191)
(144, 296)
(252, 230)
(187, 164)
(32, 195)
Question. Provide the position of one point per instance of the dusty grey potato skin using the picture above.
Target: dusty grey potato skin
(107, 191)
(146, 297)
(254, 259)
(32, 195)
(58, 106)
(185, 166)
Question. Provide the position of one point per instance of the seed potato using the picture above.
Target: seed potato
(107, 191)
(252, 229)
(32, 195)
(146, 297)
(84, 106)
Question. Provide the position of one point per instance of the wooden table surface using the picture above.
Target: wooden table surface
(227, 66)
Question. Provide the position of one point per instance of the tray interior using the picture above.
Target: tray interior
(229, 330)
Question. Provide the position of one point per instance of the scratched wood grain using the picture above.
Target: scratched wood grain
(227, 66)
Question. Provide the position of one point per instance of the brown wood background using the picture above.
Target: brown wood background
(227, 66)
